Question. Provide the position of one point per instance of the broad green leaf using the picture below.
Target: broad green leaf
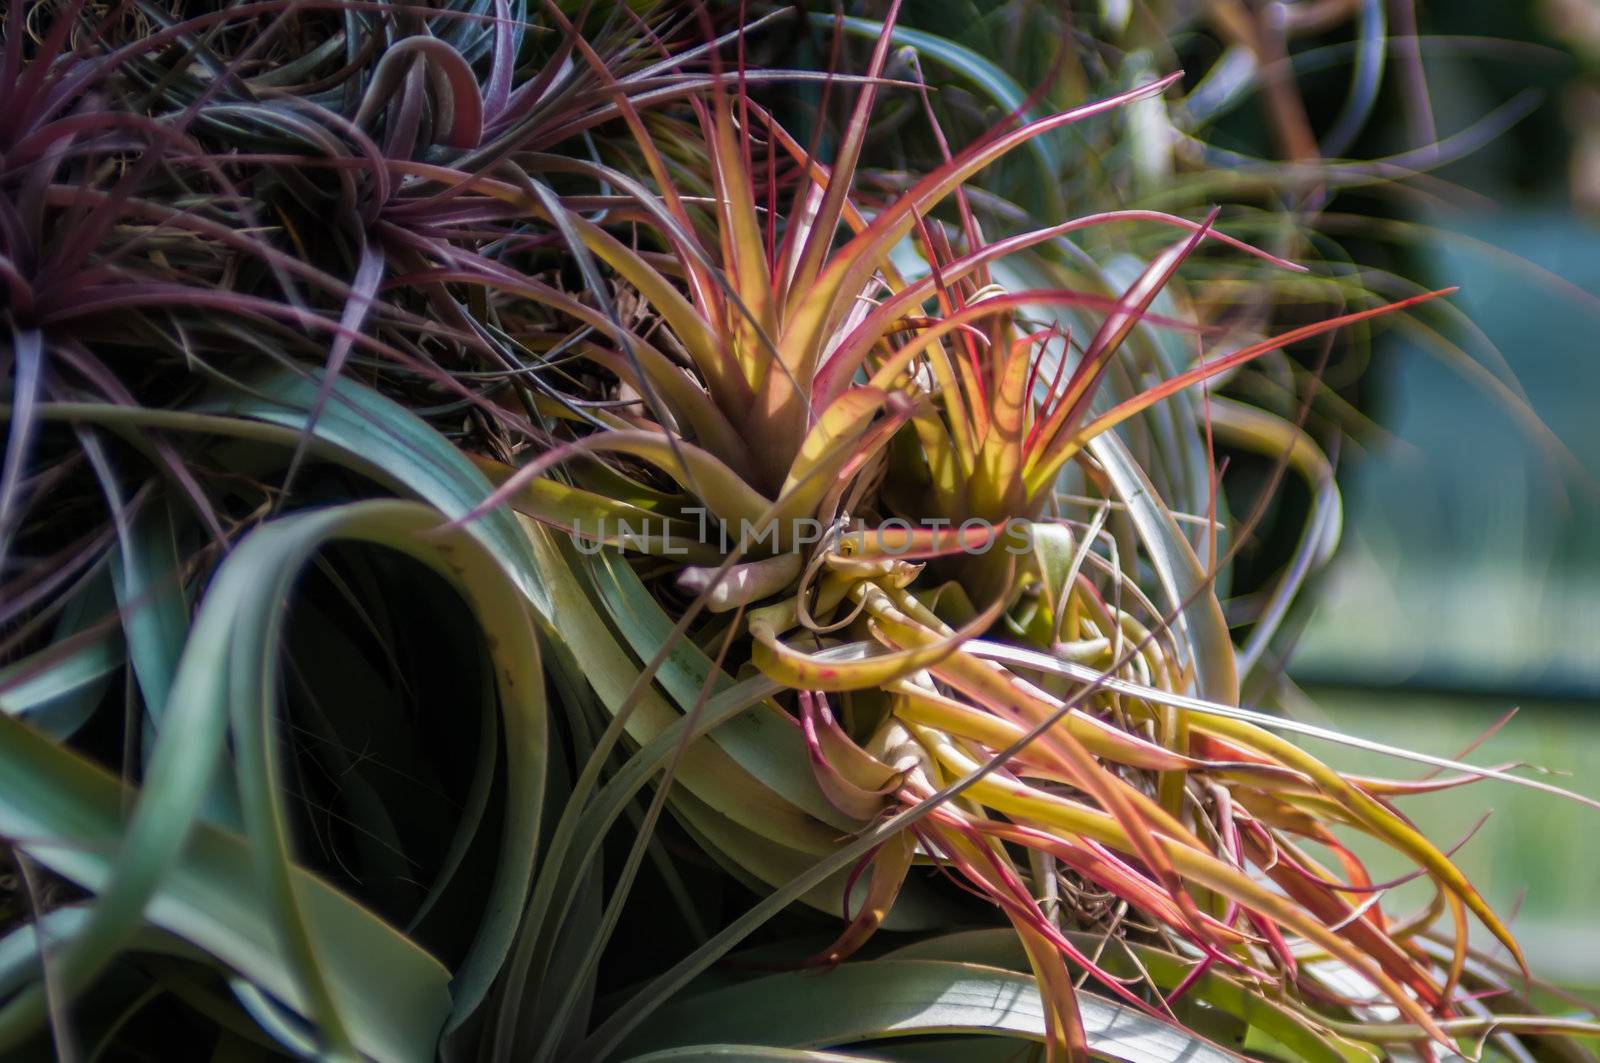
(57, 691)
(229, 669)
(707, 769)
(875, 999)
(384, 440)
(73, 811)
(761, 740)
(1001, 948)
(359, 429)
(147, 572)
(746, 1054)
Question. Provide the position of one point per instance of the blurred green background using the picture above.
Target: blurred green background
(1469, 579)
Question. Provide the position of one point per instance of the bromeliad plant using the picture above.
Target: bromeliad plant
(839, 542)
(884, 377)
(1252, 128)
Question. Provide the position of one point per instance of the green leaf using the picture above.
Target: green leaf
(147, 572)
(228, 674)
(72, 812)
(762, 741)
(389, 443)
(57, 692)
(1002, 948)
(751, 1053)
(895, 998)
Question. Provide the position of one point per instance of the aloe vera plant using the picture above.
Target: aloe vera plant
(487, 486)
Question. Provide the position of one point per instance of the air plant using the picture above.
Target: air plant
(824, 385)
(834, 576)
(1241, 132)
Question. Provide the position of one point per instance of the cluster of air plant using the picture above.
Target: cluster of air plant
(1236, 133)
(442, 440)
